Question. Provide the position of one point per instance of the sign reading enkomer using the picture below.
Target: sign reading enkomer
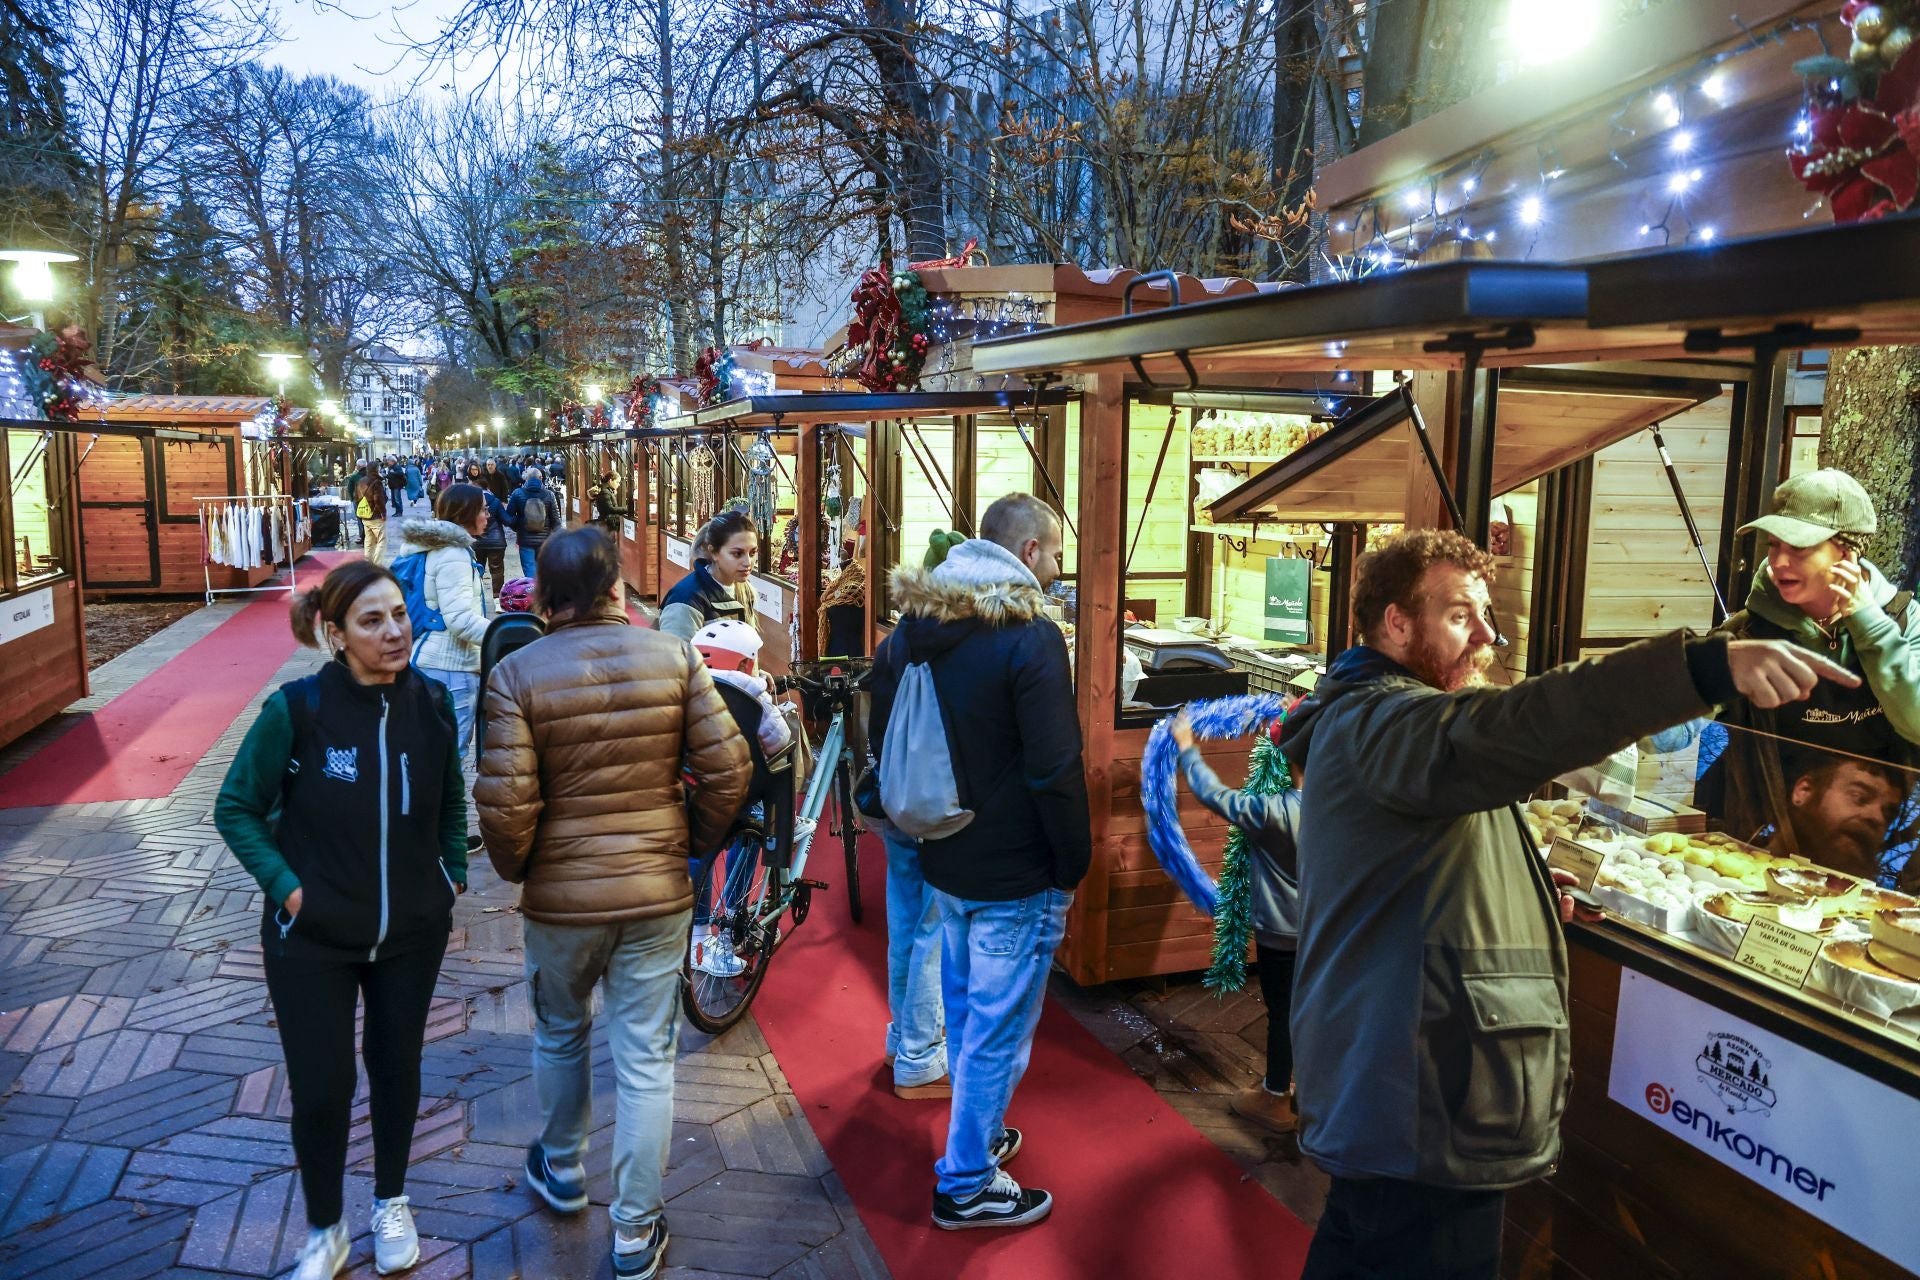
(1817, 1134)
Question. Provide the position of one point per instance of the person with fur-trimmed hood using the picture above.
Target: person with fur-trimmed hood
(998, 889)
(456, 586)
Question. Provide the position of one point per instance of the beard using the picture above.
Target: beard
(1465, 671)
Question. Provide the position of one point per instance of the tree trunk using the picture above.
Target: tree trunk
(1425, 56)
(1295, 62)
(673, 227)
(1871, 430)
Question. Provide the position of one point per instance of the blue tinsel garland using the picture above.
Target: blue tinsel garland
(1212, 720)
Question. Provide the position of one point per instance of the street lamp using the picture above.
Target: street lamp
(537, 429)
(33, 276)
(279, 368)
(594, 391)
(499, 431)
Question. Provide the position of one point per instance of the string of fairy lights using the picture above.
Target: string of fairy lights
(1397, 229)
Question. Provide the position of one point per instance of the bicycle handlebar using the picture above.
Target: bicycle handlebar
(839, 676)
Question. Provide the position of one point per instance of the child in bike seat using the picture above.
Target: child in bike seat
(732, 650)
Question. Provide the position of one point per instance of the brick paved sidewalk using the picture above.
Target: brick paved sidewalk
(143, 1112)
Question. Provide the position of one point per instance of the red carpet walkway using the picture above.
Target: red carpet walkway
(1138, 1191)
(140, 745)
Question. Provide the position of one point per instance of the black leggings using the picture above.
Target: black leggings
(313, 1002)
(1276, 989)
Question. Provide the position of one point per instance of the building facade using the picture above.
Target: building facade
(386, 394)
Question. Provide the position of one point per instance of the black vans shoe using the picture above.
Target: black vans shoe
(1002, 1204)
(1006, 1146)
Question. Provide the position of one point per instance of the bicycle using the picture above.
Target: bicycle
(757, 877)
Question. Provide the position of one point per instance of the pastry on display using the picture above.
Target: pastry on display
(1834, 892)
(1803, 914)
(1858, 957)
(1895, 941)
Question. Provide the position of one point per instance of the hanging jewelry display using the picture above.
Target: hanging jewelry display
(701, 464)
(762, 494)
(834, 506)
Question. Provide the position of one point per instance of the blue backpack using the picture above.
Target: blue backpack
(411, 570)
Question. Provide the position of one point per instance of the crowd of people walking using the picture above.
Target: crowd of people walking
(1401, 911)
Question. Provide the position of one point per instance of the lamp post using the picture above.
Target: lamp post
(279, 368)
(499, 432)
(33, 277)
(539, 432)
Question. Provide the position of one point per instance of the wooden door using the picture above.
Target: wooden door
(119, 522)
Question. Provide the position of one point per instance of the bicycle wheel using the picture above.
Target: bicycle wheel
(849, 828)
(733, 940)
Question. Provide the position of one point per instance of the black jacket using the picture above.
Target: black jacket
(698, 599)
(1006, 692)
(351, 793)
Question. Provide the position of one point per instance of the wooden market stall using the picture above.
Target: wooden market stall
(1496, 351)
(854, 450)
(140, 494)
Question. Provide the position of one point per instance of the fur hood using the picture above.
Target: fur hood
(978, 581)
(431, 535)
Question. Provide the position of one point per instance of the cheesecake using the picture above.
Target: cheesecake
(1805, 914)
(1895, 941)
(1834, 892)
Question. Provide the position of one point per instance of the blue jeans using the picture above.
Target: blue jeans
(465, 687)
(527, 557)
(640, 961)
(995, 957)
(914, 1036)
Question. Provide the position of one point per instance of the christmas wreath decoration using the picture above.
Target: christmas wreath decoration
(891, 321)
(640, 395)
(1862, 147)
(55, 372)
(1230, 903)
(714, 373)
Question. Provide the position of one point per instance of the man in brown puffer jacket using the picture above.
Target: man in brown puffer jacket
(581, 803)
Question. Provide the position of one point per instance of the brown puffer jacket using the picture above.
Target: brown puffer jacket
(580, 794)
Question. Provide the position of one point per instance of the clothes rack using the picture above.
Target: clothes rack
(219, 527)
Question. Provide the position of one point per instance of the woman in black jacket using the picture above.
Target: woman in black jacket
(723, 557)
(346, 804)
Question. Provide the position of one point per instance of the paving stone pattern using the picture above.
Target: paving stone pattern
(143, 1106)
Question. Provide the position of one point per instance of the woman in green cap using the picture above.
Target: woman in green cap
(1818, 591)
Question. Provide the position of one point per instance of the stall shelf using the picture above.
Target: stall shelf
(1638, 1190)
(140, 525)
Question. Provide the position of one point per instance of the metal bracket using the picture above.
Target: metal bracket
(1433, 459)
(1126, 309)
(1781, 337)
(1516, 337)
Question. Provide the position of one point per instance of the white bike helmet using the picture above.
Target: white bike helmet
(728, 645)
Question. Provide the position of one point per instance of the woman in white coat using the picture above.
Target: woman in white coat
(455, 585)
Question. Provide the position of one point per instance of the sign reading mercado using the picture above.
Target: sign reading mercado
(1818, 1135)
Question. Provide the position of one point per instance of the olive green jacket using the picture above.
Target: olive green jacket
(1430, 1007)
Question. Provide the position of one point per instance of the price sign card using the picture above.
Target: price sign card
(1580, 861)
(1783, 954)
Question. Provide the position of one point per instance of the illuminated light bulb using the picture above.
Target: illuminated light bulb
(1340, 225)
(1548, 30)
(1665, 104)
(1802, 127)
(1679, 182)
(1341, 375)
(1715, 87)
(1491, 236)
(1468, 186)
(1532, 211)
(1707, 234)
(1555, 173)
(1414, 200)
(1682, 142)
(1646, 229)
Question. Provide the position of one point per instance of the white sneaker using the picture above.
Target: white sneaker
(396, 1245)
(713, 954)
(324, 1254)
(803, 829)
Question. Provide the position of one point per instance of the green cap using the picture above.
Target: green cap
(1811, 508)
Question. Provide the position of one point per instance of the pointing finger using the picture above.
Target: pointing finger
(1827, 669)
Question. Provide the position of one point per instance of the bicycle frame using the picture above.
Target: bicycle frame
(832, 747)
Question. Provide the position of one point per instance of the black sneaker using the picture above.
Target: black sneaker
(1006, 1146)
(642, 1263)
(564, 1190)
(1002, 1204)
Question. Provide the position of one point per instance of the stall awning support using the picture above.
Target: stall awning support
(1754, 451)
(1474, 406)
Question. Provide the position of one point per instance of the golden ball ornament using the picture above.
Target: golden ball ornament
(1871, 24)
(1896, 45)
(1862, 54)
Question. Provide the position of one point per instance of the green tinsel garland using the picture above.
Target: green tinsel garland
(1233, 918)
